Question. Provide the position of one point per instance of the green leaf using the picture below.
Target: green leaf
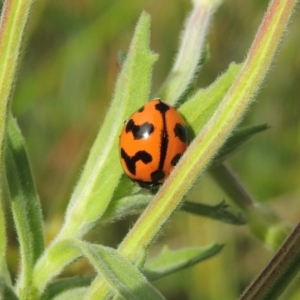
(123, 277)
(125, 188)
(267, 225)
(74, 294)
(25, 203)
(67, 284)
(238, 138)
(23, 179)
(14, 15)
(201, 106)
(101, 173)
(57, 257)
(219, 212)
(168, 261)
(6, 293)
(135, 204)
(125, 206)
(191, 48)
(4, 273)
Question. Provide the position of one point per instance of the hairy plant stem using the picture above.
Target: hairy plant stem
(14, 16)
(229, 182)
(278, 274)
(13, 20)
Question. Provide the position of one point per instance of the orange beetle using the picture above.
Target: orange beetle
(152, 142)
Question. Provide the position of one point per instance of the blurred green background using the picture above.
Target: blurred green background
(63, 88)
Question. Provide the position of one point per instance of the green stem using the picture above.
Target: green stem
(233, 187)
(278, 274)
(13, 19)
(187, 62)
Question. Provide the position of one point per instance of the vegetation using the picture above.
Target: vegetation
(60, 64)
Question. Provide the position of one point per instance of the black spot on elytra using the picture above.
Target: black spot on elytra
(139, 131)
(129, 126)
(162, 107)
(141, 109)
(175, 159)
(180, 132)
(131, 161)
(153, 186)
(157, 175)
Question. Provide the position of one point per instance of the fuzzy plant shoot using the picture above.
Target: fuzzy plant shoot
(165, 145)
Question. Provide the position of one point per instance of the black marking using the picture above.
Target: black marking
(131, 161)
(164, 138)
(162, 107)
(141, 109)
(153, 186)
(175, 159)
(129, 126)
(180, 132)
(139, 131)
(157, 175)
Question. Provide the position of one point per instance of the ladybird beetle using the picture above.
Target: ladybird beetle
(152, 142)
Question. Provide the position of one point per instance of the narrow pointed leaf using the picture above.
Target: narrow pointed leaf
(132, 91)
(238, 138)
(14, 15)
(61, 286)
(118, 271)
(191, 48)
(135, 204)
(4, 273)
(17, 150)
(74, 294)
(168, 261)
(201, 106)
(125, 188)
(25, 203)
(125, 206)
(6, 292)
(220, 212)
